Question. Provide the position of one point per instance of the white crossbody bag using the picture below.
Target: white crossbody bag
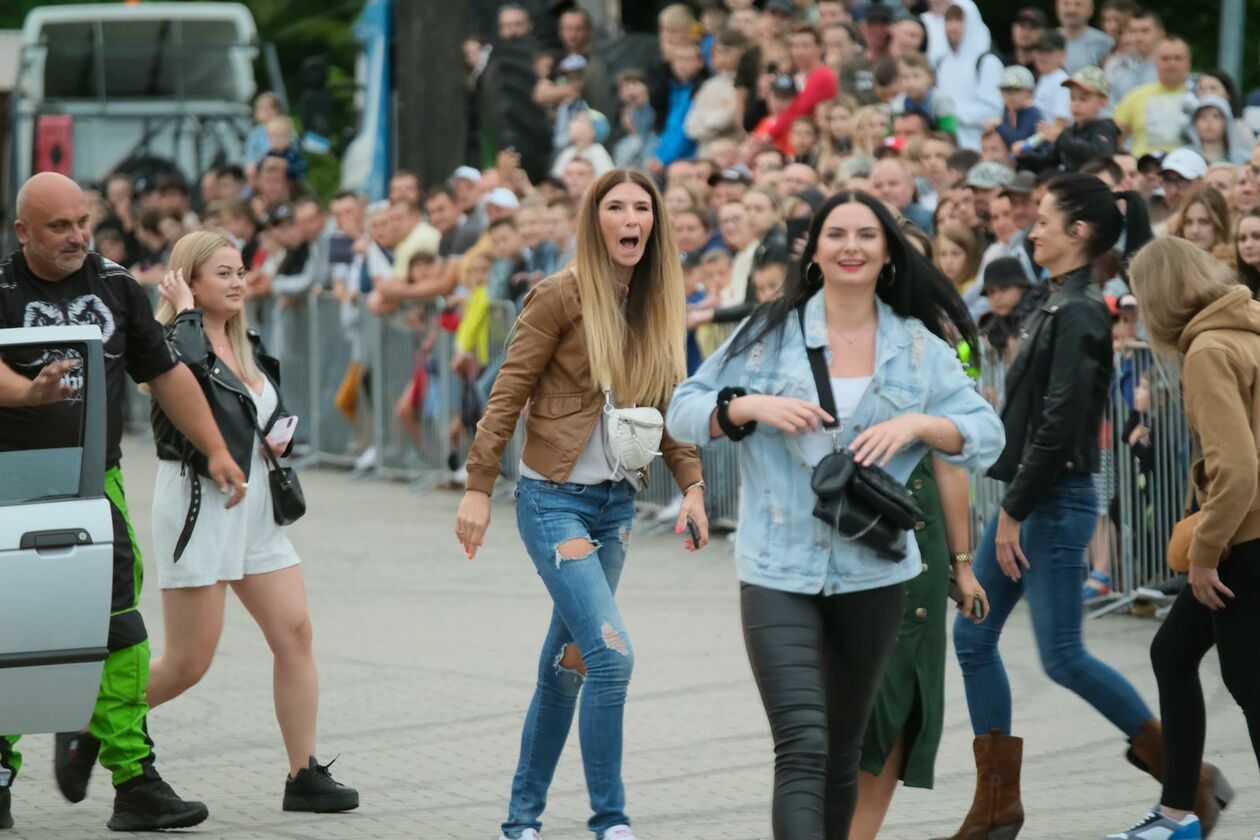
(634, 434)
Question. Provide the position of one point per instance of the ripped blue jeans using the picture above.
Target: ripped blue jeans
(559, 523)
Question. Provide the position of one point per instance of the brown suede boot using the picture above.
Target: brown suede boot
(1146, 753)
(996, 812)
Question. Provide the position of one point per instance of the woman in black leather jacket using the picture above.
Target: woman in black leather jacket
(203, 547)
(1056, 393)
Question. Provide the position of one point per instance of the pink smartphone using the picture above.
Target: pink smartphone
(282, 432)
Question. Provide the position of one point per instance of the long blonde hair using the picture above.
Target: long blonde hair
(1174, 281)
(638, 352)
(190, 255)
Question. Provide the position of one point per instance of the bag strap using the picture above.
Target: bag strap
(822, 381)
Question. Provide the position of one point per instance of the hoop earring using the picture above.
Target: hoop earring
(888, 279)
(813, 274)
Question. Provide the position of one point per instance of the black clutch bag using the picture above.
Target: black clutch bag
(864, 504)
(288, 503)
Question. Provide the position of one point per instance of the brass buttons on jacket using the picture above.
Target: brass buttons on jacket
(924, 569)
(920, 525)
(918, 484)
(920, 613)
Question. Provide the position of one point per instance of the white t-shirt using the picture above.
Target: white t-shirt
(1051, 98)
(847, 393)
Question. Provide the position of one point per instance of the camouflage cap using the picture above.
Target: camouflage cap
(1092, 79)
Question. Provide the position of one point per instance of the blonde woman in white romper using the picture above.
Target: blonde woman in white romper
(201, 546)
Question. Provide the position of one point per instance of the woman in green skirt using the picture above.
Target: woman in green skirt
(905, 726)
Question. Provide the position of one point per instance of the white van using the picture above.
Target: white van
(103, 84)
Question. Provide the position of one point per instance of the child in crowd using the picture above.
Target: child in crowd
(693, 286)
(769, 277)
(282, 138)
(782, 95)
(472, 353)
(803, 137)
(509, 275)
(582, 144)
(1090, 135)
(993, 146)
(956, 253)
(266, 108)
(919, 93)
(638, 144)
(1019, 121)
(1050, 97)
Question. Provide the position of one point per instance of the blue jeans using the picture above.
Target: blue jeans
(585, 614)
(1054, 538)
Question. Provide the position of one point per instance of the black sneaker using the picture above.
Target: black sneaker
(74, 756)
(314, 789)
(6, 809)
(150, 805)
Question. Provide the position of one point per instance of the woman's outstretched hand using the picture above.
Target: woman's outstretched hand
(472, 520)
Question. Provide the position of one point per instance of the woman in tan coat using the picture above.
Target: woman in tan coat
(1194, 308)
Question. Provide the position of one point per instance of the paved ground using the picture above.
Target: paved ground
(427, 664)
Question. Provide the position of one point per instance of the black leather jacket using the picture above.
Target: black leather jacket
(1056, 393)
(229, 399)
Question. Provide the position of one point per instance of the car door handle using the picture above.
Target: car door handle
(48, 540)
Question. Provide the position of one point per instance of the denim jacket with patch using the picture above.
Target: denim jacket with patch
(780, 544)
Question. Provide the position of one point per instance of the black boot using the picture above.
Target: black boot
(6, 809)
(74, 756)
(314, 789)
(149, 804)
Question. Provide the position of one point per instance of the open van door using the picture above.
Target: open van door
(56, 553)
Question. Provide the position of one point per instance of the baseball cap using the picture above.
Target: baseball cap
(731, 175)
(573, 63)
(503, 197)
(1127, 301)
(1030, 16)
(1002, 273)
(783, 7)
(1023, 183)
(1186, 162)
(1017, 77)
(466, 173)
(1051, 41)
(784, 85)
(879, 13)
(1092, 79)
(989, 175)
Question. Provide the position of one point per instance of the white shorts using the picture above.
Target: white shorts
(225, 544)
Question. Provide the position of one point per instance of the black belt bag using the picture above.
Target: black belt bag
(864, 504)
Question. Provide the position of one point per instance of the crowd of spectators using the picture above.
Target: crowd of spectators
(749, 115)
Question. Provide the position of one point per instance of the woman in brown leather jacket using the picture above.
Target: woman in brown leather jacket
(594, 340)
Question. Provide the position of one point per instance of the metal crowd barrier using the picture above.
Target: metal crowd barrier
(1141, 486)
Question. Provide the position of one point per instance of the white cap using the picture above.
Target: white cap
(502, 197)
(466, 173)
(1186, 162)
(573, 63)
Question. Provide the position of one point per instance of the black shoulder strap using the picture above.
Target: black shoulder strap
(822, 381)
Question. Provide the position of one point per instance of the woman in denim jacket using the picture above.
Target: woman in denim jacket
(820, 611)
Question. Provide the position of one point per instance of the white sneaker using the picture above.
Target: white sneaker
(619, 832)
(529, 834)
(367, 460)
(1156, 826)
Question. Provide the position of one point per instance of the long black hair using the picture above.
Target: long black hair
(911, 286)
(1086, 198)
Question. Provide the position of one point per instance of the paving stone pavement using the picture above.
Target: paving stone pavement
(427, 664)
